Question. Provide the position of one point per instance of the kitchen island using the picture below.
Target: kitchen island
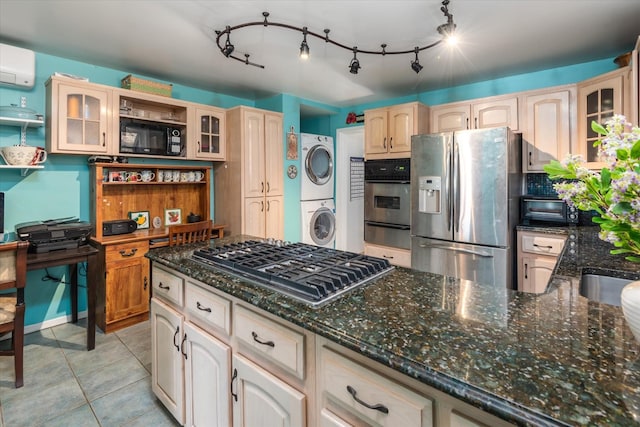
(550, 359)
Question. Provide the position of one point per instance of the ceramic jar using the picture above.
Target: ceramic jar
(630, 301)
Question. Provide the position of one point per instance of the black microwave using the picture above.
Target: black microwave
(542, 209)
(157, 139)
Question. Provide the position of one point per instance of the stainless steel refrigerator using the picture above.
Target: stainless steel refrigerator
(465, 189)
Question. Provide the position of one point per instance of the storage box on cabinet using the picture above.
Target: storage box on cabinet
(273, 341)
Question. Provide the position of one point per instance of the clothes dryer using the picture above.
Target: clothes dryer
(319, 222)
(318, 160)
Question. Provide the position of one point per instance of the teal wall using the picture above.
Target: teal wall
(62, 188)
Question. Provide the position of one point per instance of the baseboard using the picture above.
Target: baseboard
(48, 324)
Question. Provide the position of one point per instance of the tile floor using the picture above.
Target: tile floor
(66, 385)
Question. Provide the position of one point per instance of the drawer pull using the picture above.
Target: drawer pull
(163, 286)
(125, 254)
(543, 246)
(174, 338)
(377, 407)
(256, 339)
(201, 307)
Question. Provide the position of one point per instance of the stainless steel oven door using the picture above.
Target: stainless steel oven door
(388, 203)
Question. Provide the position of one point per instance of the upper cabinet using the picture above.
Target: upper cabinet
(548, 122)
(388, 131)
(208, 126)
(599, 99)
(77, 117)
(479, 114)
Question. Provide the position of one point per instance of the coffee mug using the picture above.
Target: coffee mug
(184, 176)
(147, 175)
(39, 157)
(199, 176)
(191, 176)
(175, 176)
(132, 176)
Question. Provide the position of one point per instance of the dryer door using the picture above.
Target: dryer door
(318, 164)
(322, 227)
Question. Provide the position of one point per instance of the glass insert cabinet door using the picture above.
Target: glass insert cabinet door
(210, 138)
(82, 115)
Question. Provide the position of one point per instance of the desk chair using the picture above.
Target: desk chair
(13, 275)
(190, 233)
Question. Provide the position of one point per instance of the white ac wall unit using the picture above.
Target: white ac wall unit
(17, 66)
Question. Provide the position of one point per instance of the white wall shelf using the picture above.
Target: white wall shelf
(24, 169)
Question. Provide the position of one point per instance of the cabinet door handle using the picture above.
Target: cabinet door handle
(268, 187)
(184, 353)
(256, 339)
(377, 407)
(467, 122)
(163, 286)
(475, 122)
(104, 139)
(384, 142)
(128, 254)
(526, 270)
(268, 205)
(146, 282)
(175, 344)
(233, 378)
(262, 187)
(530, 155)
(262, 206)
(201, 307)
(391, 142)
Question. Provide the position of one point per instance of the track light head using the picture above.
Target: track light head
(228, 48)
(415, 64)
(354, 65)
(304, 47)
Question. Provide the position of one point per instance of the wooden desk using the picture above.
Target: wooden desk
(72, 257)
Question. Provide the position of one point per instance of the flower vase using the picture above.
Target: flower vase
(630, 301)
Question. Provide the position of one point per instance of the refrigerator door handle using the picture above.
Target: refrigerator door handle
(447, 187)
(456, 187)
(483, 254)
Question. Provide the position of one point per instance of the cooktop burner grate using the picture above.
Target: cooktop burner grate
(312, 274)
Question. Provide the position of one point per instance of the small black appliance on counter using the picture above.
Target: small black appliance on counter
(118, 226)
(546, 210)
(54, 234)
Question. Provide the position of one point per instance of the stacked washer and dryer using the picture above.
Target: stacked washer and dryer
(316, 194)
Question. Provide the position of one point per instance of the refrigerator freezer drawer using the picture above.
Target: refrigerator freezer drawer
(471, 262)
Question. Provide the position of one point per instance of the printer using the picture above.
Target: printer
(54, 234)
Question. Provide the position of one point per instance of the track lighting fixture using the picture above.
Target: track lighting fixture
(415, 65)
(354, 66)
(446, 30)
(304, 47)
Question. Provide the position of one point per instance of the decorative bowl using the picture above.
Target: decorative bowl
(630, 300)
(18, 155)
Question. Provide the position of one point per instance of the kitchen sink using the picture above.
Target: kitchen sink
(604, 289)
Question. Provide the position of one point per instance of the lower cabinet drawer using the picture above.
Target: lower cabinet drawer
(273, 341)
(395, 256)
(167, 285)
(543, 245)
(372, 397)
(126, 251)
(204, 307)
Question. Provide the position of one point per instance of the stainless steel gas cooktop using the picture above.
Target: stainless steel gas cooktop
(311, 274)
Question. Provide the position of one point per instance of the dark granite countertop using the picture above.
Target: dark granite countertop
(550, 359)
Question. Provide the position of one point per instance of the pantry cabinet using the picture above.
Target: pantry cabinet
(251, 182)
(479, 114)
(549, 120)
(388, 131)
(537, 257)
(599, 99)
(78, 117)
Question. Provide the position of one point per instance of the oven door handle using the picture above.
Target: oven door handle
(387, 225)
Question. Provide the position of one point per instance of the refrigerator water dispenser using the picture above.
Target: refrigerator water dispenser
(429, 194)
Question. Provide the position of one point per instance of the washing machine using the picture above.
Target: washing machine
(319, 222)
(318, 160)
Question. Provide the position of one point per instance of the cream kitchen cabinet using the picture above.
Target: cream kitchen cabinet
(599, 99)
(208, 127)
(479, 114)
(549, 121)
(261, 399)
(190, 367)
(78, 116)
(249, 185)
(396, 256)
(537, 257)
(388, 131)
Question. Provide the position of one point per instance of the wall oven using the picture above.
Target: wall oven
(387, 203)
